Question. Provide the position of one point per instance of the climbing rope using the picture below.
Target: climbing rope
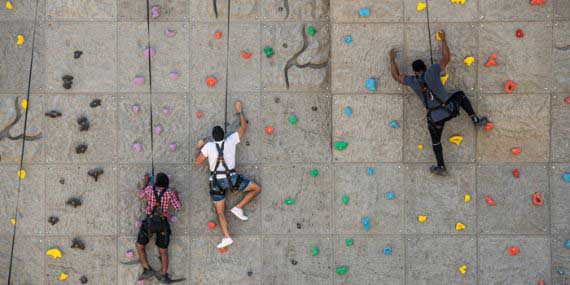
(148, 10)
(21, 174)
(227, 71)
(429, 31)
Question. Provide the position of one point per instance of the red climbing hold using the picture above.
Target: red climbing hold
(211, 81)
(514, 250)
(516, 173)
(489, 126)
(519, 34)
(537, 2)
(537, 199)
(211, 225)
(510, 86)
(199, 114)
(218, 35)
(269, 130)
(246, 55)
(491, 61)
(540, 282)
(223, 250)
(567, 100)
(489, 200)
(516, 150)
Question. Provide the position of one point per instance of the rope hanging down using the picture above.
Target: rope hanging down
(150, 90)
(227, 71)
(20, 169)
(429, 31)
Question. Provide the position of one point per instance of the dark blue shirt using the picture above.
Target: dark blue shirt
(432, 78)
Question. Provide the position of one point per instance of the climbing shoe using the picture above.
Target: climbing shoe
(147, 273)
(225, 242)
(438, 170)
(164, 278)
(239, 213)
(479, 122)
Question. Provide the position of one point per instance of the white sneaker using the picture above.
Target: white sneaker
(225, 242)
(239, 213)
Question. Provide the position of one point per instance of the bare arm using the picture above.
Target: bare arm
(200, 158)
(394, 68)
(243, 125)
(446, 56)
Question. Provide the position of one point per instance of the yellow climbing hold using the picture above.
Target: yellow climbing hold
(459, 227)
(469, 60)
(456, 140)
(422, 219)
(63, 276)
(19, 40)
(421, 147)
(462, 269)
(9, 5)
(466, 198)
(421, 6)
(438, 36)
(13, 221)
(54, 253)
(24, 104)
(22, 174)
(444, 78)
(462, 2)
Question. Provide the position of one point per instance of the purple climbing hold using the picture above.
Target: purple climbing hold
(167, 111)
(158, 129)
(138, 224)
(169, 32)
(172, 219)
(155, 11)
(136, 108)
(149, 52)
(139, 80)
(173, 147)
(130, 254)
(137, 147)
(174, 75)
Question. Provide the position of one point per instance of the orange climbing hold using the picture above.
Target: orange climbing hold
(211, 81)
(269, 130)
(491, 61)
(489, 126)
(223, 250)
(516, 173)
(510, 86)
(199, 114)
(516, 150)
(513, 250)
(218, 35)
(537, 199)
(211, 225)
(246, 55)
(490, 200)
(537, 2)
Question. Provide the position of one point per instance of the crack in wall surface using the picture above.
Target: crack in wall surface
(293, 61)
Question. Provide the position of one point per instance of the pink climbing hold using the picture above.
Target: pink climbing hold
(138, 224)
(130, 254)
(169, 32)
(139, 80)
(137, 147)
(172, 219)
(199, 114)
(158, 129)
(155, 11)
(140, 282)
(136, 108)
(173, 147)
(174, 75)
(149, 52)
(167, 111)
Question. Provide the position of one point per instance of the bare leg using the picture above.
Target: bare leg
(220, 210)
(164, 259)
(142, 255)
(251, 191)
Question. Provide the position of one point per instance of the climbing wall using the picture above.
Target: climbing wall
(341, 150)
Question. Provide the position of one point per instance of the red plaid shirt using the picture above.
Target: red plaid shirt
(169, 198)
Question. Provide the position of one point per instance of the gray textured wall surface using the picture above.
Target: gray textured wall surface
(325, 74)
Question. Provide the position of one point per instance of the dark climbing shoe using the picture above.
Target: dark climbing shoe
(480, 122)
(438, 170)
(147, 273)
(164, 278)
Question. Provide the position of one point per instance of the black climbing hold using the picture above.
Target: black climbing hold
(62, 181)
(95, 103)
(77, 54)
(249, 273)
(67, 78)
(83, 279)
(293, 261)
(77, 243)
(83, 124)
(67, 81)
(53, 220)
(299, 225)
(314, 108)
(75, 202)
(53, 114)
(81, 148)
(285, 45)
(247, 143)
(280, 9)
(277, 100)
(95, 173)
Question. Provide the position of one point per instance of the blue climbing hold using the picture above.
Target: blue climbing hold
(390, 195)
(567, 244)
(394, 124)
(370, 84)
(566, 176)
(348, 111)
(560, 271)
(347, 39)
(366, 223)
(364, 12)
(387, 250)
(370, 171)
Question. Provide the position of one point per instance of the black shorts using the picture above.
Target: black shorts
(161, 229)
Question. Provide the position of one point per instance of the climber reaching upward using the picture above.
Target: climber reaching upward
(440, 105)
(221, 158)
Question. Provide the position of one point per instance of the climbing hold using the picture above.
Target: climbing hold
(77, 243)
(567, 100)
(299, 226)
(13, 222)
(341, 270)
(489, 200)
(167, 111)
(365, 223)
(462, 269)
(513, 250)
(63, 276)
(211, 225)
(420, 147)
(370, 84)
(491, 61)
(130, 254)
(67, 81)
(172, 219)
(61, 181)
(314, 172)
(438, 36)
(268, 51)
(421, 6)
(370, 171)
(344, 199)
(519, 33)
(21, 174)
(537, 2)
(54, 253)
(560, 271)
(82, 148)
(137, 147)
(510, 86)
(567, 244)
(422, 219)
(456, 140)
(155, 11)
(311, 31)
(293, 119)
(516, 173)
(95, 103)
(348, 111)
(218, 35)
(269, 130)
(249, 273)
(20, 40)
(149, 52)
(289, 201)
(53, 220)
(462, 2)
(136, 108)
(83, 279)
(315, 251)
(314, 108)
(394, 124)
(387, 250)
(348, 242)
(174, 75)
(24, 104)
(537, 199)
(294, 262)
(158, 129)
(95, 173)
(340, 145)
(8, 5)
(459, 227)
(246, 55)
(516, 150)
(489, 126)
(53, 114)
(77, 54)
(83, 124)
(566, 176)
(364, 12)
(347, 39)
(138, 224)
(444, 78)
(469, 60)
(211, 81)
(170, 32)
(390, 195)
(75, 202)
(466, 198)
(138, 80)
(173, 147)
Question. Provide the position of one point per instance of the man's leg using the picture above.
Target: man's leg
(142, 255)
(164, 259)
(251, 191)
(435, 131)
(220, 211)
(465, 104)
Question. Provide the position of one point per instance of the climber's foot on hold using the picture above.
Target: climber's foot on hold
(164, 278)
(438, 170)
(239, 213)
(147, 273)
(225, 242)
(479, 122)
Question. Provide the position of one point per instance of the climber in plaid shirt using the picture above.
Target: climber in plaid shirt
(156, 222)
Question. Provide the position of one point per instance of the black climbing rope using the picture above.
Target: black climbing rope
(20, 169)
(429, 31)
(227, 71)
(150, 90)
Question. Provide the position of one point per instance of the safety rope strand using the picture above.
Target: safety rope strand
(150, 89)
(227, 70)
(429, 31)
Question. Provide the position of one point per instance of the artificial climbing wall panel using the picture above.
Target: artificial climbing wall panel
(341, 150)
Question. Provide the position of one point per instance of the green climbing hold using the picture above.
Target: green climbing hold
(268, 52)
(314, 172)
(293, 119)
(315, 250)
(349, 242)
(340, 145)
(289, 201)
(341, 270)
(311, 31)
(344, 199)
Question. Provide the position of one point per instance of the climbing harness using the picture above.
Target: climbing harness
(215, 187)
(441, 113)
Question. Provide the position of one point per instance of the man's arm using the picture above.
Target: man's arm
(446, 56)
(394, 68)
(242, 121)
(200, 157)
